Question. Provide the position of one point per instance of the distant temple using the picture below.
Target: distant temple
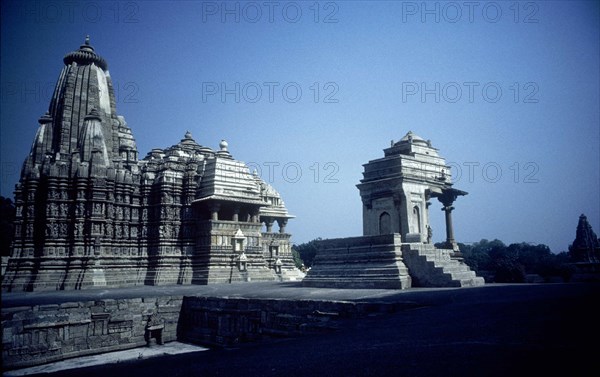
(585, 251)
(396, 249)
(89, 213)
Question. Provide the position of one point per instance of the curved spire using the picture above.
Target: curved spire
(92, 140)
(85, 55)
(42, 144)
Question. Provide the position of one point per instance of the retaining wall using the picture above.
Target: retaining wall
(33, 335)
(226, 322)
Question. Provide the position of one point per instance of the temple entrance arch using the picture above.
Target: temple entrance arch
(416, 220)
(385, 223)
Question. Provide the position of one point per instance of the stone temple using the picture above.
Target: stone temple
(585, 252)
(395, 250)
(89, 213)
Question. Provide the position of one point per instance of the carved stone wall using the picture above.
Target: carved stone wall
(34, 335)
(90, 214)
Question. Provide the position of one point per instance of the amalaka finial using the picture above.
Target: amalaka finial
(86, 46)
(223, 145)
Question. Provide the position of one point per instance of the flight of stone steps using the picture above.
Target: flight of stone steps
(431, 267)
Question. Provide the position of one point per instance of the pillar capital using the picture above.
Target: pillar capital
(448, 195)
(282, 224)
(269, 223)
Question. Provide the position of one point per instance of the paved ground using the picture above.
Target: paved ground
(287, 290)
(496, 330)
(172, 348)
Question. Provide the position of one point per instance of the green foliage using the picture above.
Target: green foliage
(476, 257)
(508, 270)
(297, 260)
(7, 216)
(556, 265)
(511, 264)
(305, 253)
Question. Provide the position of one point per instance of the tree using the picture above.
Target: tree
(508, 270)
(475, 258)
(511, 264)
(297, 260)
(556, 265)
(306, 252)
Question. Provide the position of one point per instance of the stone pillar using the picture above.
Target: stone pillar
(269, 224)
(282, 223)
(214, 210)
(450, 242)
(447, 197)
(236, 214)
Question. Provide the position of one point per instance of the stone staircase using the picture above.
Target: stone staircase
(431, 267)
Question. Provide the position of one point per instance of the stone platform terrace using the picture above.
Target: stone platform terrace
(50, 326)
(262, 290)
(494, 330)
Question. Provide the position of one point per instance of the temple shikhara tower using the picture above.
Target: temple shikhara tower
(585, 252)
(396, 249)
(90, 213)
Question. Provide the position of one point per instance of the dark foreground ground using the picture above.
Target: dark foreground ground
(498, 330)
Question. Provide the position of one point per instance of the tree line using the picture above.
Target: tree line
(500, 263)
(493, 260)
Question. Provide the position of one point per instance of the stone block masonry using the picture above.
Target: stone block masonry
(226, 322)
(34, 335)
(89, 213)
(359, 262)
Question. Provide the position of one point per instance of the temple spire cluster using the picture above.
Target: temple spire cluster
(90, 213)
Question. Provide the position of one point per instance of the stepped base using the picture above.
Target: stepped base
(431, 267)
(359, 262)
(384, 262)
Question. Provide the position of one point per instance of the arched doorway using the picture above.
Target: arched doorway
(385, 223)
(416, 218)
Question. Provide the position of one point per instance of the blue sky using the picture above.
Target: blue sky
(307, 92)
